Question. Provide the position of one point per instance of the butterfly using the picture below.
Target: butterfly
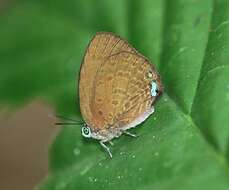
(117, 88)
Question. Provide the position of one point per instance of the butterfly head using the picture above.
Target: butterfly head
(86, 131)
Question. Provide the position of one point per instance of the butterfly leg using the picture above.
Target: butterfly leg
(130, 134)
(111, 143)
(106, 148)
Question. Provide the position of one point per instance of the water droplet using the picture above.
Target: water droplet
(182, 49)
(154, 118)
(133, 156)
(165, 99)
(121, 153)
(92, 179)
(100, 164)
(139, 169)
(119, 177)
(156, 154)
(76, 151)
(154, 136)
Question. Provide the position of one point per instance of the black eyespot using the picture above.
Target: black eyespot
(157, 91)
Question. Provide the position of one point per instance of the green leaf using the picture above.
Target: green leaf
(184, 145)
(210, 109)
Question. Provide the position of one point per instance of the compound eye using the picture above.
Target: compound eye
(86, 132)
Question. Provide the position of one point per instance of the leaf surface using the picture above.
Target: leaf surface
(183, 145)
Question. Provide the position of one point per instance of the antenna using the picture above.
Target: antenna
(70, 121)
(63, 123)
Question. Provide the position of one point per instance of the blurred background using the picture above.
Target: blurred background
(25, 135)
(41, 47)
(42, 43)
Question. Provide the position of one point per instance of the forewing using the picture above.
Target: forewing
(99, 49)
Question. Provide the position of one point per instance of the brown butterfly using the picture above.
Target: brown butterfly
(117, 88)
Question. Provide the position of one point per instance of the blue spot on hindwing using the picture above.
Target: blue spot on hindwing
(153, 88)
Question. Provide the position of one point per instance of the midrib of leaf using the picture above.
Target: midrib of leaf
(184, 44)
(187, 116)
(208, 135)
(209, 139)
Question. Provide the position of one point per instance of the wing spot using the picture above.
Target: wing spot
(99, 100)
(109, 78)
(100, 82)
(127, 105)
(110, 116)
(100, 112)
(115, 102)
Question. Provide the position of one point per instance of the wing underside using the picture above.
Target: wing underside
(114, 84)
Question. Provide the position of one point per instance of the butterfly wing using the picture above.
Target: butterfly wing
(122, 90)
(101, 46)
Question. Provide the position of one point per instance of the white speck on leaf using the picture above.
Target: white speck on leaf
(121, 153)
(76, 151)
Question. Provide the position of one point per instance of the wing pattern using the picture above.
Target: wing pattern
(114, 84)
